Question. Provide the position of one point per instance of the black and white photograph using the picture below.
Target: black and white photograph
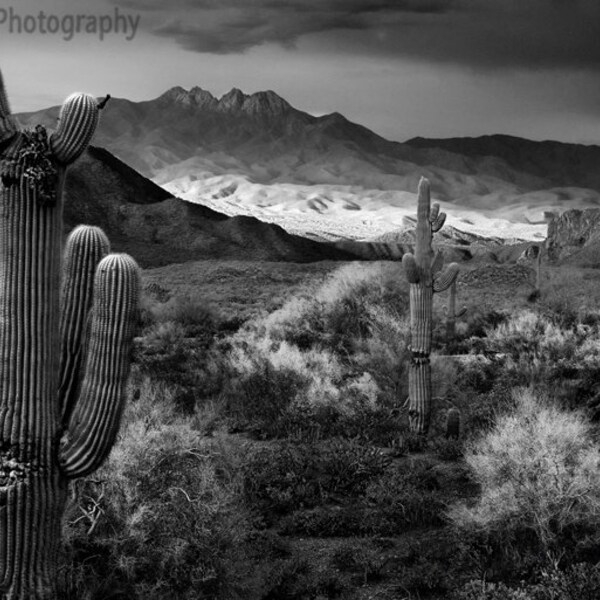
(300, 300)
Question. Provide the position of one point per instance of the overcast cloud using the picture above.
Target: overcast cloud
(435, 68)
(488, 33)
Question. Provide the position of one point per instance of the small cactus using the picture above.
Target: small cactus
(426, 276)
(453, 424)
(59, 405)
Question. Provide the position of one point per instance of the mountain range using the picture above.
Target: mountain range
(329, 179)
(146, 221)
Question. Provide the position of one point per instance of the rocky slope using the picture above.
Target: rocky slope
(157, 228)
(574, 237)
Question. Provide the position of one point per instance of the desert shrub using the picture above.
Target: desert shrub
(473, 324)
(403, 499)
(577, 582)
(171, 519)
(450, 450)
(539, 479)
(337, 313)
(275, 389)
(161, 353)
(194, 314)
(530, 349)
(477, 372)
(325, 521)
(283, 477)
(195, 366)
(560, 309)
(268, 379)
(398, 500)
(483, 590)
(383, 352)
(434, 564)
(485, 409)
(297, 579)
(261, 397)
(559, 360)
(532, 335)
(365, 562)
(355, 419)
(330, 365)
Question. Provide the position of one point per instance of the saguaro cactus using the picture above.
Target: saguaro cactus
(538, 269)
(451, 314)
(426, 276)
(59, 406)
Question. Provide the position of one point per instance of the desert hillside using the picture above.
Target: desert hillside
(143, 219)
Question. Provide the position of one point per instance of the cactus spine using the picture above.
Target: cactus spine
(426, 277)
(41, 397)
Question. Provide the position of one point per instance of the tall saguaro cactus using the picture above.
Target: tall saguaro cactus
(59, 404)
(425, 275)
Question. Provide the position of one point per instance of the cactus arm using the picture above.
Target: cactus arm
(95, 419)
(435, 211)
(438, 223)
(86, 246)
(77, 123)
(423, 249)
(8, 125)
(410, 268)
(446, 278)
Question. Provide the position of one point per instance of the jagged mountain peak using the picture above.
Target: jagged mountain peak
(202, 98)
(266, 103)
(196, 97)
(260, 104)
(232, 100)
(174, 94)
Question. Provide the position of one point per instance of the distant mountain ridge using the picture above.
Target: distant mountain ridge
(562, 163)
(329, 178)
(264, 104)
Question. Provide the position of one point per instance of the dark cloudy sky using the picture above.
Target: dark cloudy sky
(435, 68)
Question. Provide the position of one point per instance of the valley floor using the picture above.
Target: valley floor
(265, 452)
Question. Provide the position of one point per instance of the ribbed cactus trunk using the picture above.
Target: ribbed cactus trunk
(423, 271)
(538, 270)
(39, 372)
(32, 491)
(452, 315)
